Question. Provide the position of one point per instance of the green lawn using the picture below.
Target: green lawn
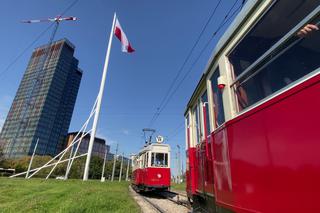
(38, 195)
(178, 187)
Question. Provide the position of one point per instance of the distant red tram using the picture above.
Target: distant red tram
(151, 168)
(252, 124)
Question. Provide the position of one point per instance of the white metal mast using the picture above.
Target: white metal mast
(100, 95)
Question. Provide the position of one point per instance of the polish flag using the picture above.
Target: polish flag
(126, 46)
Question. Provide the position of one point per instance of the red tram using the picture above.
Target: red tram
(151, 168)
(252, 124)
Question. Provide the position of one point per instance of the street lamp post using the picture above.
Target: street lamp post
(179, 165)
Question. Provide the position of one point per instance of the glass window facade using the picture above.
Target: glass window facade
(44, 102)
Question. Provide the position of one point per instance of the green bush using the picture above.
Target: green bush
(76, 172)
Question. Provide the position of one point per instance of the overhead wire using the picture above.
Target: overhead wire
(25, 50)
(186, 60)
(175, 131)
(222, 23)
(35, 40)
(192, 66)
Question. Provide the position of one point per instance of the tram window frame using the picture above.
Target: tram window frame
(141, 159)
(217, 101)
(272, 54)
(146, 160)
(195, 117)
(187, 131)
(200, 111)
(259, 43)
(154, 157)
(208, 127)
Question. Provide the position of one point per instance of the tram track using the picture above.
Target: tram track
(155, 206)
(165, 201)
(170, 195)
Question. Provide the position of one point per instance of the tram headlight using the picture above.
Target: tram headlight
(159, 175)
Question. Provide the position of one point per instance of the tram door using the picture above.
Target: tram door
(199, 149)
(207, 160)
(202, 166)
(189, 167)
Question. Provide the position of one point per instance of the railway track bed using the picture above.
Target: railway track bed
(160, 202)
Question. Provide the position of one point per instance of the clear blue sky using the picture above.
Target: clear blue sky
(162, 32)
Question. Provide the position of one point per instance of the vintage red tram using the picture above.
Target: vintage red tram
(252, 124)
(151, 168)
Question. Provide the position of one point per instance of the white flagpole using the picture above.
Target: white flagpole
(30, 163)
(100, 95)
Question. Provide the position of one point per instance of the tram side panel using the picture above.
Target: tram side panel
(208, 169)
(204, 170)
(192, 177)
(199, 170)
(135, 175)
(274, 165)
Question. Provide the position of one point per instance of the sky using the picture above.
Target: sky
(161, 32)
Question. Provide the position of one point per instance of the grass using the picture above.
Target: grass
(178, 187)
(38, 195)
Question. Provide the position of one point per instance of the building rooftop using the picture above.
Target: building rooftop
(99, 140)
(64, 40)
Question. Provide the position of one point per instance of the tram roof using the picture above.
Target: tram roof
(154, 147)
(236, 24)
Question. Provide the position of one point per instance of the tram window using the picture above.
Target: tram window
(159, 159)
(277, 22)
(204, 101)
(196, 114)
(217, 99)
(141, 161)
(187, 121)
(200, 126)
(293, 60)
(188, 131)
(195, 129)
(146, 160)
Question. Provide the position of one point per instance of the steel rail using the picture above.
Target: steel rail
(178, 201)
(155, 206)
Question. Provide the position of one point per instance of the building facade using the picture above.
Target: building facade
(44, 103)
(99, 146)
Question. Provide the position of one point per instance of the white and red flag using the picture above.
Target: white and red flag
(126, 46)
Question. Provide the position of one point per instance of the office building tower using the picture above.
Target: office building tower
(44, 103)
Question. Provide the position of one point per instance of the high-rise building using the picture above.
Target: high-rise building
(44, 103)
(99, 145)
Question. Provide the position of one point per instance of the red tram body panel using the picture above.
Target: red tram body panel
(252, 123)
(152, 178)
(279, 171)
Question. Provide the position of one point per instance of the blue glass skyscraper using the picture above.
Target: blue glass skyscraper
(44, 103)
